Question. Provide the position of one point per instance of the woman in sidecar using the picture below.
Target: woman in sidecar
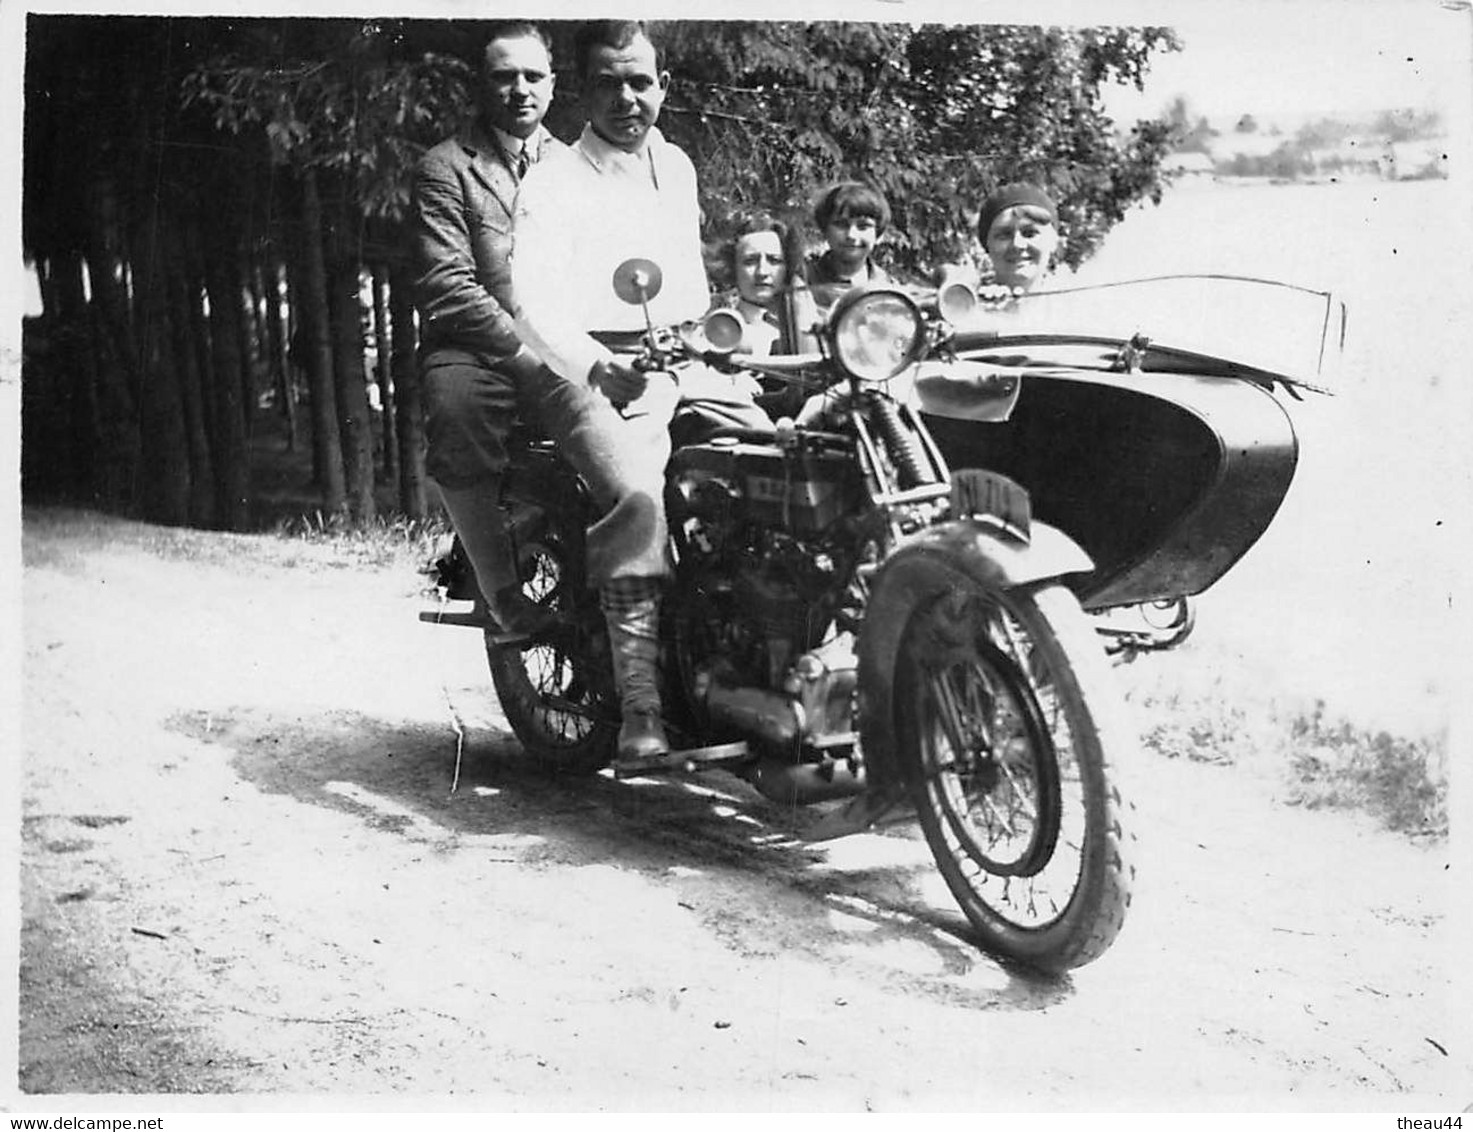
(1018, 228)
(1166, 465)
(759, 260)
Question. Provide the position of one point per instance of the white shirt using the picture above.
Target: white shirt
(581, 213)
(512, 146)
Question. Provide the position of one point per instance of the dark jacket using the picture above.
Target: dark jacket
(828, 285)
(460, 220)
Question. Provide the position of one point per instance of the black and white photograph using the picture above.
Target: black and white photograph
(813, 559)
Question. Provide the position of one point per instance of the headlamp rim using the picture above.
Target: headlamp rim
(852, 298)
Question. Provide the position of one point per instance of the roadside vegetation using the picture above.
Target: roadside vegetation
(1313, 757)
(382, 541)
(1406, 144)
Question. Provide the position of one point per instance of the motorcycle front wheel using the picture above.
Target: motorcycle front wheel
(556, 691)
(1007, 729)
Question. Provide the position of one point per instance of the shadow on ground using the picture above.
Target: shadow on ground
(771, 891)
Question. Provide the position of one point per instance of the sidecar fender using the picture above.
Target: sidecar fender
(929, 563)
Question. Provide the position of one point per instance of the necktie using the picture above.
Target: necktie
(522, 162)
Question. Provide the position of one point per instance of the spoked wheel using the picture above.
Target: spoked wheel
(1006, 725)
(556, 691)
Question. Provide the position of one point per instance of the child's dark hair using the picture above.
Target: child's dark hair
(852, 198)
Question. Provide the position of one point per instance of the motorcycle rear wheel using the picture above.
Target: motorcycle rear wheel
(1008, 730)
(555, 692)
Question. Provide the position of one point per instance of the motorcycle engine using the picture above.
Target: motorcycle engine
(767, 548)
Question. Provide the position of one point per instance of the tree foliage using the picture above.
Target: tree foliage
(1191, 132)
(1408, 124)
(351, 98)
(240, 170)
(935, 116)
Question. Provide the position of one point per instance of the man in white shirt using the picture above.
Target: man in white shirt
(621, 191)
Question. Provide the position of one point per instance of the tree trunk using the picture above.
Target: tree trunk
(75, 375)
(187, 316)
(231, 451)
(385, 371)
(354, 413)
(311, 307)
(299, 349)
(59, 438)
(165, 457)
(107, 272)
(408, 410)
(345, 309)
(199, 329)
(276, 339)
(246, 340)
(117, 470)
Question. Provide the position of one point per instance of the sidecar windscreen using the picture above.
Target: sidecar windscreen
(1276, 328)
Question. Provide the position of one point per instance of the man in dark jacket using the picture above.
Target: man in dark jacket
(474, 368)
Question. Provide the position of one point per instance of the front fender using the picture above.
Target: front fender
(931, 563)
(992, 555)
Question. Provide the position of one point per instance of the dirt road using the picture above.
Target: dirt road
(245, 871)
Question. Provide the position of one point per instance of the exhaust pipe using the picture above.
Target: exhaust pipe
(778, 721)
(802, 784)
(769, 716)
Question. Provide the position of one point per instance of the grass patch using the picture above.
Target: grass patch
(380, 542)
(1404, 782)
(1316, 760)
(62, 538)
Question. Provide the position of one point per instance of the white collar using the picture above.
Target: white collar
(513, 145)
(603, 153)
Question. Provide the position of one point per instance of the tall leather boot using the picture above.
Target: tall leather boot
(631, 609)
(481, 524)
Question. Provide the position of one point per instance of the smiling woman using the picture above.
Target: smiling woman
(1018, 225)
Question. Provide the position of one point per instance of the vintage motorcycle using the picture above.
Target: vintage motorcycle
(877, 601)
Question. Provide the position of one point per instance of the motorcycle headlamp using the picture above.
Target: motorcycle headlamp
(875, 334)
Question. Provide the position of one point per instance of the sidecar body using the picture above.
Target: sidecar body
(1166, 462)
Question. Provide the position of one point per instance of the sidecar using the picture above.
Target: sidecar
(1149, 427)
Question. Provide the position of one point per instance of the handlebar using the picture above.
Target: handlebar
(784, 432)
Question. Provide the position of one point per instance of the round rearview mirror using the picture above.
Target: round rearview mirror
(638, 280)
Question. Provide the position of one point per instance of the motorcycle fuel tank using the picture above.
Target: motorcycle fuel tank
(803, 492)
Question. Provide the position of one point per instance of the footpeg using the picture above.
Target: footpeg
(682, 762)
(458, 611)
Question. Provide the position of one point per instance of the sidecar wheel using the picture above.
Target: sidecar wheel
(1008, 730)
(556, 691)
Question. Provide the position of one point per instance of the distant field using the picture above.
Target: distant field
(1349, 596)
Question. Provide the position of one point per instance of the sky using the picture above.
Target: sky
(1297, 56)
